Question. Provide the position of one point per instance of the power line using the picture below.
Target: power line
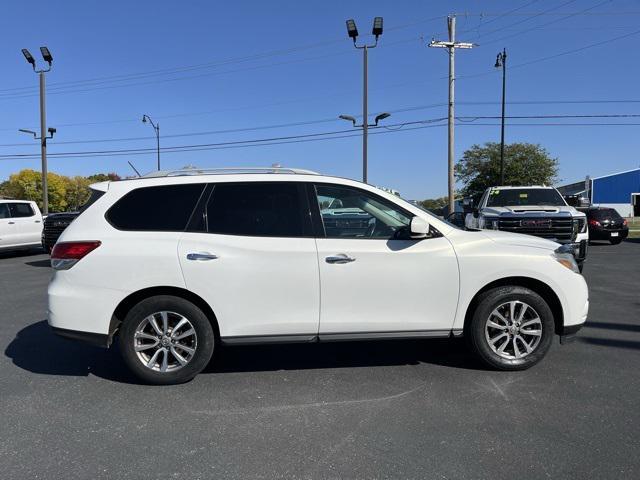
(327, 135)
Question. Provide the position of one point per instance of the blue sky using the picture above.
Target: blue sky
(203, 66)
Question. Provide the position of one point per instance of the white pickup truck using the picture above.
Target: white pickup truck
(20, 225)
(534, 210)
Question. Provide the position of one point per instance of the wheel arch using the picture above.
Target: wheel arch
(134, 298)
(541, 288)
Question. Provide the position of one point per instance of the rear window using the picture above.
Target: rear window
(257, 209)
(19, 210)
(604, 213)
(160, 209)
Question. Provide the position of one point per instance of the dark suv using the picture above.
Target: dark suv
(606, 224)
(54, 225)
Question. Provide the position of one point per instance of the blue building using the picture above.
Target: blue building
(617, 190)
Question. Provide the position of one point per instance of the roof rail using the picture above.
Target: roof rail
(227, 171)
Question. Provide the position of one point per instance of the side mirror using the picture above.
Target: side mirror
(419, 228)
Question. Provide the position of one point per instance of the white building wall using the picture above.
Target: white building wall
(624, 209)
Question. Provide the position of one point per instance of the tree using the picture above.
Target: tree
(77, 191)
(435, 205)
(103, 177)
(524, 164)
(27, 185)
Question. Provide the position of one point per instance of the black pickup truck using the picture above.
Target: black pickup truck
(54, 225)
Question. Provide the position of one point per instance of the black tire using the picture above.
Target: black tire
(492, 299)
(615, 241)
(203, 331)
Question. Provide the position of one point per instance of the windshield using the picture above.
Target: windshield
(525, 196)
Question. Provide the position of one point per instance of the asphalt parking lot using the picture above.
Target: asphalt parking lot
(419, 409)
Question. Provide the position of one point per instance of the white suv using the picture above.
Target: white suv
(170, 266)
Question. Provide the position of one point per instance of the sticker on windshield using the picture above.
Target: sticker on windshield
(495, 191)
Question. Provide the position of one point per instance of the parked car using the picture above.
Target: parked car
(607, 224)
(171, 266)
(532, 210)
(54, 225)
(20, 225)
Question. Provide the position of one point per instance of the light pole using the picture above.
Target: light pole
(365, 125)
(46, 55)
(156, 127)
(501, 62)
(352, 31)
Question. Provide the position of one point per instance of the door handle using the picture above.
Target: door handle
(340, 258)
(11, 223)
(201, 256)
(37, 221)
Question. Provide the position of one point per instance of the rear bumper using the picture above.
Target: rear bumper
(602, 234)
(91, 338)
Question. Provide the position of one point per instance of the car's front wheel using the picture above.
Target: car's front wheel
(511, 329)
(166, 340)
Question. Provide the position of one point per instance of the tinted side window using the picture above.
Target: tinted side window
(257, 209)
(19, 210)
(4, 210)
(163, 209)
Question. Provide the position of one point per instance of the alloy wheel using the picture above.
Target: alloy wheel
(513, 330)
(165, 341)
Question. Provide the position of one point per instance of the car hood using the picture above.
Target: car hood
(519, 239)
(524, 209)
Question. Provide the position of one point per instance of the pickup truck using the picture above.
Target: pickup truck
(534, 210)
(20, 225)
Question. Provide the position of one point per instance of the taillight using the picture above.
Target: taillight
(594, 223)
(66, 254)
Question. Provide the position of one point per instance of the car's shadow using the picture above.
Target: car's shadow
(22, 253)
(38, 350)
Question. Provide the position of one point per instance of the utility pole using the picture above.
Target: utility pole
(352, 31)
(451, 45)
(501, 61)
(46, 55)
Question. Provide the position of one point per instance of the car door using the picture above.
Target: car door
(8, 229)
(373, 278)
(250, 253)
(28, 223)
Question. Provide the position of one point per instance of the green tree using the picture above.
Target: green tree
(77, 191)
(524, 164)
(103, 177)
(435, 205)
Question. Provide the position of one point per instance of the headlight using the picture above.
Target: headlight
(491, 223)
(580, 224)
(564, 256)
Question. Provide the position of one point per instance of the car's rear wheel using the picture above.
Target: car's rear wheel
(511, 329)
(166, 340)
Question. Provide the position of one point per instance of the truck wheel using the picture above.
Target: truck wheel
(166, 340)
(511, 328)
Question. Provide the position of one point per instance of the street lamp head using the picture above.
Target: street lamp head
(382, 116)
(51, 131)
(29, 57)
(348, 118)
(377, 27)
(30, 132)
(144, 119)
(352, 31)
(46, 55)
(498, 61)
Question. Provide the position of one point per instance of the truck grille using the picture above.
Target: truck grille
(560, 229)
(53, 228)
